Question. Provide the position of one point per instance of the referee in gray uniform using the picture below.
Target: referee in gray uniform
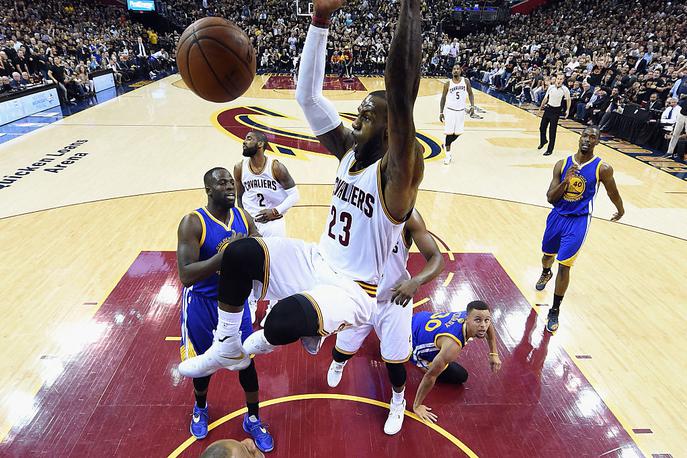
(552, 105)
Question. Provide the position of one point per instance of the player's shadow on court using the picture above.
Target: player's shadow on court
(527, 361)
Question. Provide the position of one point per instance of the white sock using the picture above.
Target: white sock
(229, 323)
(397, 398)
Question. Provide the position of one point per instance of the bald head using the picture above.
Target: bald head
(230, 448)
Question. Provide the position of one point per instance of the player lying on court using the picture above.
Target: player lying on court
(437, 341)
(572, 191)
(326, 287)
(202, 237)
(392, 319)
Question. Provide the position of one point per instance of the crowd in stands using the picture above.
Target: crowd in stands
(65, 42)
(617, 56)
(613, 53)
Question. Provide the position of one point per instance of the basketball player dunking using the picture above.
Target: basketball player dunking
(326, 287)
(266, 190)
(392, 319)
(572, 191)
(202, 237)
(452, 108)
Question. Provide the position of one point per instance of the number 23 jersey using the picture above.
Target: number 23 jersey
(360, 233)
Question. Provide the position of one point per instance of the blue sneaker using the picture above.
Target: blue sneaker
(263, 439)
(199, 422)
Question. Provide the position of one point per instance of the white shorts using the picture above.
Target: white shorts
(296, 267)
(274, 228)
(393, 325)
(454, 121)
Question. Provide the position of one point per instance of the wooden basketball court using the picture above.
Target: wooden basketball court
(88, 214)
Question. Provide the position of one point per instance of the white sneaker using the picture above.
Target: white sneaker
(225, 354)
(257, 344)
(395, 420)
(448, 158)
(312, 344)
(335, 373)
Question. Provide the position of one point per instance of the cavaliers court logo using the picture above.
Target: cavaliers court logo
(575, 188)
(237, 122)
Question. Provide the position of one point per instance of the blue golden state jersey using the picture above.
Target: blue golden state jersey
(428, 327)
(213, 239)
(578, 199)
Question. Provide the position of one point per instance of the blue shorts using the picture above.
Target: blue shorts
(199, 321)
(564, 236)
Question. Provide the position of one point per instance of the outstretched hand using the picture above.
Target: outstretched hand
(324, 8)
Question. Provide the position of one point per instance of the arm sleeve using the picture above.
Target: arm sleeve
(320, 113)
(292, 197)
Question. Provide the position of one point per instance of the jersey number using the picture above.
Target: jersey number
(435, 321)
(262, 200)
(347, 219)
(457, 95)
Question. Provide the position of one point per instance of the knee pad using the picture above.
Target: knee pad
(290, 319)
(397, 373)
(242, 262)
(454, 374)
(450, 139)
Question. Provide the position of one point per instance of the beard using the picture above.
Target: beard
(250, 152)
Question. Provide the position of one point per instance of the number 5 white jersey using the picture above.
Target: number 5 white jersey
(260, 190)
(457, 94)
(360, 233)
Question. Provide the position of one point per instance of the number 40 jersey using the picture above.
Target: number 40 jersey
(360, 233)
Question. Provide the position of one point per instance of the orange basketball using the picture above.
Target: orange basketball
(216, 59)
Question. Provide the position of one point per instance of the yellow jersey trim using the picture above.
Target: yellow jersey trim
(447, 334)
(598, 171)
(381, 195)
(202, 226)
(349, 353)
(243, 217)
(320, 320)
(266, 274)
(226, 226)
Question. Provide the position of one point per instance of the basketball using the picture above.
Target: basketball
(216, 59)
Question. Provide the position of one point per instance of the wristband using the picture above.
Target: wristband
(493, 354)
(320, 21)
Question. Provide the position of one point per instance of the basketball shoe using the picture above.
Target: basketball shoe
(262, 438)
(199, 422)
(394, 421)
(227, 354)
(335, 373)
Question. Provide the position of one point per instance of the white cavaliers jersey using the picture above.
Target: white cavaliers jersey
(395, 270)
(457, 93)
(360, 233)
(260, 190)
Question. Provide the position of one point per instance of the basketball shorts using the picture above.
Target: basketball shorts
(274, 228)
(199, 321)
(392, 323)
(564, 236)
(296, 267)
(454, 121)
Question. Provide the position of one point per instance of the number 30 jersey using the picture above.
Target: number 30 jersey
(260, 190)
(360, 233)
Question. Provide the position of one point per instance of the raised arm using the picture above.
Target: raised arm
(403, 165)
(322, 117)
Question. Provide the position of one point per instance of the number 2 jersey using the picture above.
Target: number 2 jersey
(360, 233)
(260, 190)
(428, 327)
